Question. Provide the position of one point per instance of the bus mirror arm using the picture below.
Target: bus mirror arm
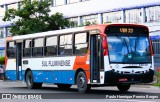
(104, 41)
(104, 44)
(104, 35)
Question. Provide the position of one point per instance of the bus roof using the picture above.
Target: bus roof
(48, 33)
(101, 27)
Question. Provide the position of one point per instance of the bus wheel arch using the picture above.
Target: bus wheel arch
(30, 80)
(77, 71)
(81, 81)
(28, 69)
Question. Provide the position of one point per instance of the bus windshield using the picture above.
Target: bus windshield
(129, 49)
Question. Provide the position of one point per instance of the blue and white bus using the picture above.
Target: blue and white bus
(100, 55)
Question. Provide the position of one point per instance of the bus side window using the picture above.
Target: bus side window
(65, 44)
(81, 43)
(37, 49)
(51, 46)
(27, 48)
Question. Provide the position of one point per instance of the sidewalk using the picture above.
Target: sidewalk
(141, 86)
(156, 61)
(145, 86)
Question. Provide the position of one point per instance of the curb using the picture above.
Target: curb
(142, 86)
(146, 86)
(156, 87)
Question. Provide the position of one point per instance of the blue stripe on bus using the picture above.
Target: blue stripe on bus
(58, 76)
(64, 77)
(10, 74)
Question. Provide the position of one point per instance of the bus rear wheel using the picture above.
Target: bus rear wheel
(123, 88)
(30, 83)
(82, 83)
(64, 86)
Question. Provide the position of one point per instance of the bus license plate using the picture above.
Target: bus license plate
(123, 79)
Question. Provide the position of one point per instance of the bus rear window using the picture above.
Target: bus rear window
(11, 49)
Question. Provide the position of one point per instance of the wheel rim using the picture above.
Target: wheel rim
(81, 82)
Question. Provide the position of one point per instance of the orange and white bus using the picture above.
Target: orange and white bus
(100, 55)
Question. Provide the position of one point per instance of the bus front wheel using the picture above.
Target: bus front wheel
(82, 83)
(30, 83)
(123, 88)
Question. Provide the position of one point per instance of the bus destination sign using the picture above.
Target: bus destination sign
(126, 30)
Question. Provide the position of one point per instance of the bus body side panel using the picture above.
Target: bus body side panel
(56, 76)
(68, 77)
(101, 29)
(106, 69)
(51, 69)
(106, 63)
(10, 65)
(102, 77)
(11, 69)
(82, 62)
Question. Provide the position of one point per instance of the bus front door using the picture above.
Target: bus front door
(95, 60)
(18, 61)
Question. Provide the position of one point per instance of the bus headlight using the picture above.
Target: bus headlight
(111, 67)
(150, 67)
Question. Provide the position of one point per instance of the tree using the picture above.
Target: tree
(34, 17)
(2, 60)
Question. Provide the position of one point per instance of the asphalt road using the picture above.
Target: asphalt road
(16, 91)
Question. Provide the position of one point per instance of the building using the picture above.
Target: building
(81, 12)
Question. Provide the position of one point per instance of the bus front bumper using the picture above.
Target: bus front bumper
(115, 78)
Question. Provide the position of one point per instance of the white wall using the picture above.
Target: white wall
(2, 42)
(96, 6)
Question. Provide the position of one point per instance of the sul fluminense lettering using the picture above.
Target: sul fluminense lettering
(56, 63)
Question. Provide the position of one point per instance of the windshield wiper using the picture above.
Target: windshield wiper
(126, 44)
(130, 45)
(136, 43)
(124, 41)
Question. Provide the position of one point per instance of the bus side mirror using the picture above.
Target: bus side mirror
(104, 42)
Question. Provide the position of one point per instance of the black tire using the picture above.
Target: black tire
(123, 88)
(82, 83)
(64, 86)
(30, 82)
